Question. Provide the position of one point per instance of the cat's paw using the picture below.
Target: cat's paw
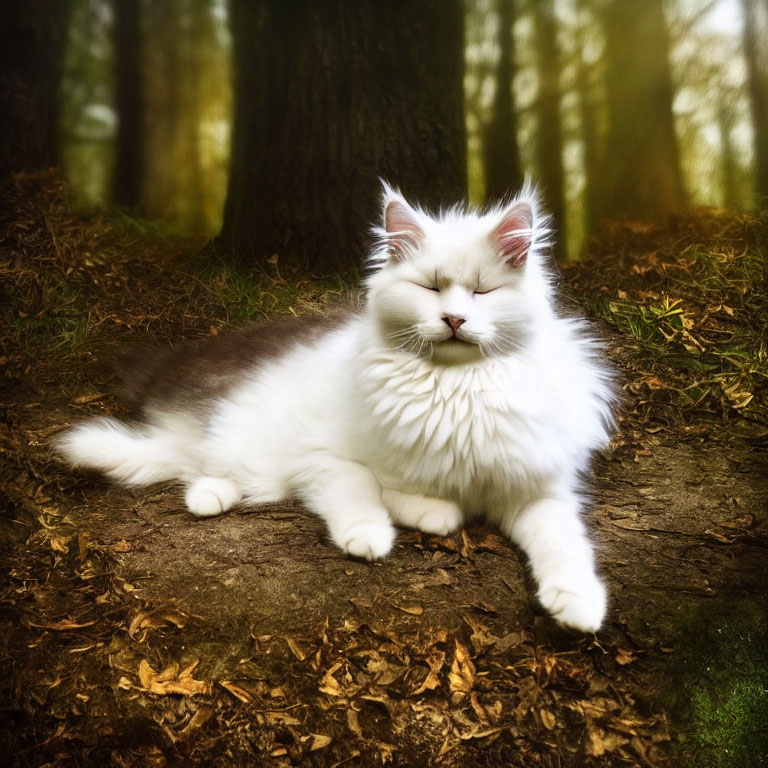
(438, 517)
(579, 603)
(424, 513)
(369, 540)
(209, 496)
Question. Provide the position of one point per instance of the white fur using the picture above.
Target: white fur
(388, 419)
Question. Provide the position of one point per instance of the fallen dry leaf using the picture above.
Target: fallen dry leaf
(159, 617)
(625, 656)
(547, 719)
(600, 741)
(461, 678)
(198, 720)
(282, 718)
(92, 398)
(467, 545)
(63, 624)
(353, 723)
(413, 610)
(59, 543)
(172, 680)
(296, 649)
(329, 684)
(237, 691)
(319, 741)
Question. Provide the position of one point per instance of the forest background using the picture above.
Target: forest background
(276, 119)
(172, 168)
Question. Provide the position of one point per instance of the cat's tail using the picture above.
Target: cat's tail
(129, 455)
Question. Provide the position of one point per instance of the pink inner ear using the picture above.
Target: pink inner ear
(403, 230)
(513, 237)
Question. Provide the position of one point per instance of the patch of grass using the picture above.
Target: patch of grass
(71, 285)
(237, 297)
(60, 329)
(693, 306)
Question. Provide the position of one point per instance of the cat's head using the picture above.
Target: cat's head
(461, 286)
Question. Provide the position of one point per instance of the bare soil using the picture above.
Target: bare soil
(133, 634)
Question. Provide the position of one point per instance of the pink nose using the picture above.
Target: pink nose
(454, 323)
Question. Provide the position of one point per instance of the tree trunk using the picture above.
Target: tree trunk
(641, 173)
(328, 99)
(729, 165)
(501, 155)
(129, 150)
(757, 86)
(32, 42)
(588, 119)
(163, 79)
(549, 144)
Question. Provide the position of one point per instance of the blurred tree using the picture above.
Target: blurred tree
(128, 173)
(588, 113)
(501, 156)
(549, 143)
(32, 39)
(187, 92)
(729, 164)
(641, 173)
(757, 85)
(163, 73)
(329, 98)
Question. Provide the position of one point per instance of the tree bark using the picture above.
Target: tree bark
(128, 173)
(757, 86)
(641, 174)
(329, 98)
(32, 43)
(549, 143)
(501, 155)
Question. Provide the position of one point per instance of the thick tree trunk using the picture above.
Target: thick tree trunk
(549, 143)
(757, 86)
(329, 98)
(129, 150)
(501, 155)
(641, 173)
(32, 42)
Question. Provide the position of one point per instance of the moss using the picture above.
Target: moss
(730, 722)
(719, 691)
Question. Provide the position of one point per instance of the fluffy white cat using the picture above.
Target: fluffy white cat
(456, 392)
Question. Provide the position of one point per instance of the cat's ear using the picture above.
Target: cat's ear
(401, 224)
(513, 235)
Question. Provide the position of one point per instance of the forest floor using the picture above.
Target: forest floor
(132, 634)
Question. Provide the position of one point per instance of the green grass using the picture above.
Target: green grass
(719, 692)
(697, 319)
(61, 329)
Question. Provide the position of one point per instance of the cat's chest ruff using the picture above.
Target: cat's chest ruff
(463, 418)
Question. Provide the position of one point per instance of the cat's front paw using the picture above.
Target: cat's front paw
(424, 513)
(369, 540)
(438, 517)
(579, 602)
(209, 496)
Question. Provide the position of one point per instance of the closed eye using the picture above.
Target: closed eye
(482, 293)
(427, 287)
